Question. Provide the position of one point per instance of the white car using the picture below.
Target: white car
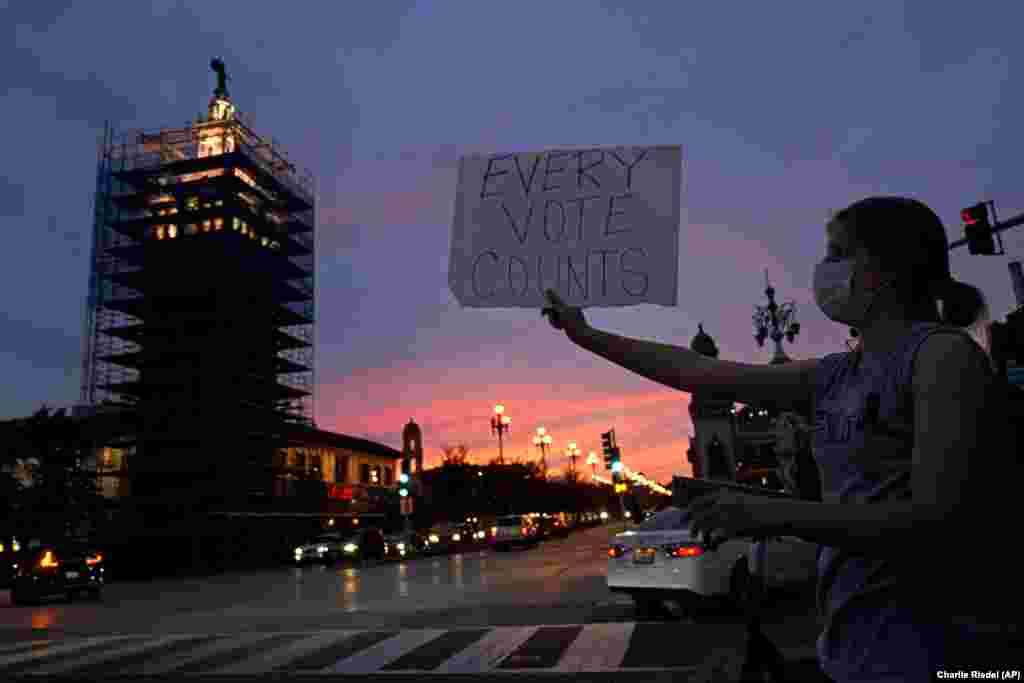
(658, 560)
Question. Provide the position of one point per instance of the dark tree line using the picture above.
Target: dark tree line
(62, 494)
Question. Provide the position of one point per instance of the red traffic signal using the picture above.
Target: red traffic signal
(978, 229)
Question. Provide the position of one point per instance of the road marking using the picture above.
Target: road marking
(598, 647)
(47, 651)
(431, 655)
(383, 653)
(487, 652)
(19, 647)
(217, 644)
(66, 666)
(543, 649)
(280, 658)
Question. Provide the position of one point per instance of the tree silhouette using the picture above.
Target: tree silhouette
(64, 491)
(455, 455)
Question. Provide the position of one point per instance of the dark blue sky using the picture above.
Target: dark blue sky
(784, 112)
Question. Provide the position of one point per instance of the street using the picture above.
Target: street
(539, 610)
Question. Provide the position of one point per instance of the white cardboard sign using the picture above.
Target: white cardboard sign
(599, 225)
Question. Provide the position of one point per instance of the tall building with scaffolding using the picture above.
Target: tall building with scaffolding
(200, 314)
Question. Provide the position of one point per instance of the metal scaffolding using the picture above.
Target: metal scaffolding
(203, 246)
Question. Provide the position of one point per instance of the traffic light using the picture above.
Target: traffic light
(620, 487)
(403, 478)
(607, 445)
(978, 229)
(617, 465)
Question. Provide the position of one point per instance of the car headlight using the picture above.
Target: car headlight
(456, 537)
(434, 539)
(401, 547)
(321, 549)
(604, 515)
(298, 551)
(350, 547)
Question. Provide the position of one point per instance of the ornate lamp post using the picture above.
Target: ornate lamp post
(775, 321)
(543, 442)
(593, 461)
(572, 452)
(499, 425)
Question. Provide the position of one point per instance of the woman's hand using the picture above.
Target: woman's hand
(727, 514)
(562, 317)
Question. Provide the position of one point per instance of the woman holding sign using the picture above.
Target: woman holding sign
(902, 427)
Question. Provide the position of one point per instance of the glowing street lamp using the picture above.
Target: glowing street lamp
(543, 442)
(499, 425)
(572, 452)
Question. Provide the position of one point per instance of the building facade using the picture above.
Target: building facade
(729, 443)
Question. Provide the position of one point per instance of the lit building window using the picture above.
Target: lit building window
(159, 232)
(172, 230)
(264, 241)
(207, 205)
(192, 204)
(219, 202)
(235, 223)
(245, 228)
(207, 225)
(172, 210)
(191, 229)
(218, 223)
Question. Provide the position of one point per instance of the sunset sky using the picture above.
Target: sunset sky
(784, 111)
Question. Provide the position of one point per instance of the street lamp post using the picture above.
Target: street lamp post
(572, 453)
(543, 441)
(776, 322)
(499, 425)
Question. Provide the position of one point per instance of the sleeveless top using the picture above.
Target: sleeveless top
(873, 630)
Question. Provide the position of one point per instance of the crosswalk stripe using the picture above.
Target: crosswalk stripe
(48, 651)
(66, 666)
(280, 658)
(568, 648)
(20, 647)
(385, 652)
(488, 652)
(216, 645)
(241, 652)
(598, 647)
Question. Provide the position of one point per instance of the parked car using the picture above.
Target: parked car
(9, 548)
(552, 526)
(326, 548)
(514, 530)
(446, 538)
(659, 560)
(367, 544)
(65, 567)
(406, 546)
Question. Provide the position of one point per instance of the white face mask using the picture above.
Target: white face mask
(833, 292)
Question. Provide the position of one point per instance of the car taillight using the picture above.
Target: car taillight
(616, 551)
(49, 560)
(524, 531)
(684, 550)
(94, 559)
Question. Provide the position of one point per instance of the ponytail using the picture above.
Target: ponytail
(962, 304)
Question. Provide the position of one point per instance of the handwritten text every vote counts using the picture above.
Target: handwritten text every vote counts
(562, 197)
